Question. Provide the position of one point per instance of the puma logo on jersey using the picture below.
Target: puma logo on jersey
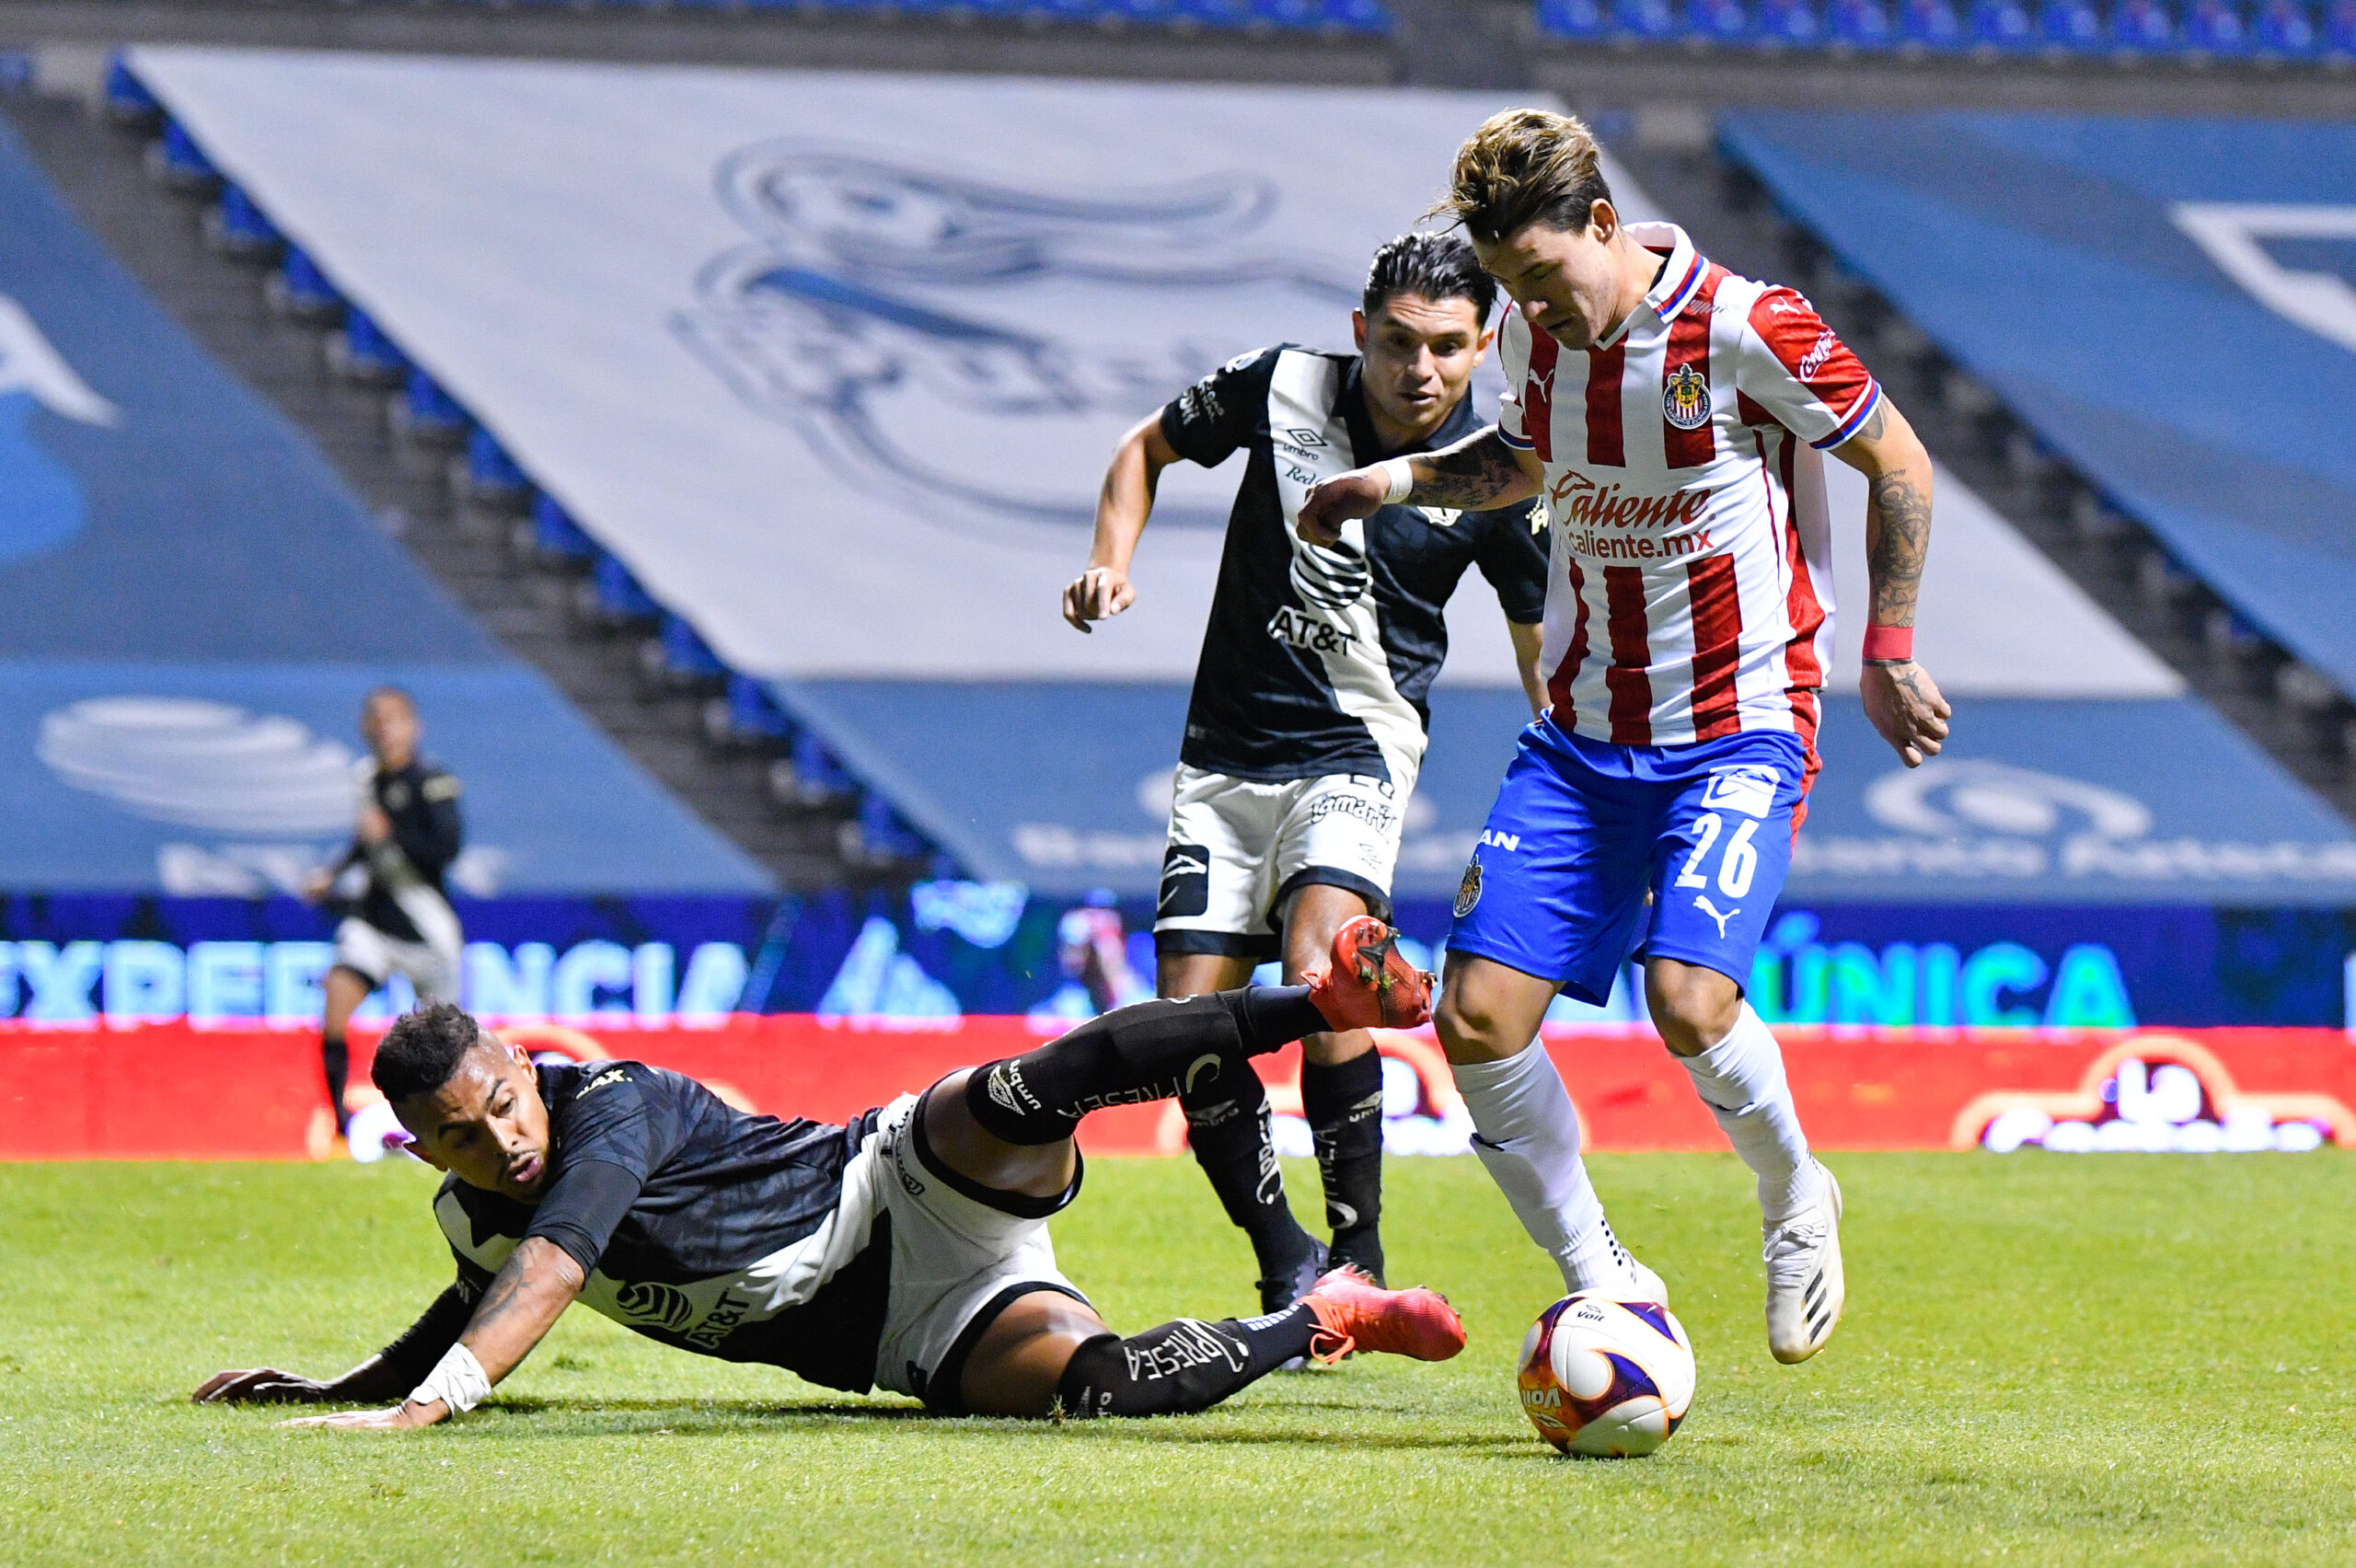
(1702, 903)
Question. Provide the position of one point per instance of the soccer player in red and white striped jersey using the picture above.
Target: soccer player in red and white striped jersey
(1671, 414)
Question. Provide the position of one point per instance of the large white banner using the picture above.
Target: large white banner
(833, 361)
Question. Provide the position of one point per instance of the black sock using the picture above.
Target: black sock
(1344, 1105)
(1227, 1125)
(335, 1057)
(1152, 1051)
(1182, 1367)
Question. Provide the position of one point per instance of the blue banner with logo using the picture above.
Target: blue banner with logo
(2170, 303)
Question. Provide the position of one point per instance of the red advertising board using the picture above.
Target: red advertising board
(174, 1091)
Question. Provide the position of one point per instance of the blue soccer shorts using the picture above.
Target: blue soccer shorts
(1583, 829)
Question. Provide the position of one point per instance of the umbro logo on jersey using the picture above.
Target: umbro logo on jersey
(1303, 436)
(1685, 399)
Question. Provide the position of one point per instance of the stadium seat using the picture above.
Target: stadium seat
(2339, 30)
(745, 716)
(2000, 24)
(612, 597)
(1719, 21)
(2074, 26)
(878, 834)
(361, 353)
(235, 227)
(2143, 27)
(425, 413)
(1791, 23)
(808, 777)
(488, 475)
(1214, 12)
(556, 538)
(1581, 19)
(128, 101)
(677, 659)
(2216, 27)
(1861, 23)
(300, 291)
(1369, 18)
(175, 161)
(1650, 19)
(1929, 25)
(1292, 16)
(2284, 29)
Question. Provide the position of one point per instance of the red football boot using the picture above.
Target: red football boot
(1354, 1313)
(1372, 985)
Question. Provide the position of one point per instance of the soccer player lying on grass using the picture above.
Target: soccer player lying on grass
(907, 1249)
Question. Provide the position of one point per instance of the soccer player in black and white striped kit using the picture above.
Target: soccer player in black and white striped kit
(1308, 721)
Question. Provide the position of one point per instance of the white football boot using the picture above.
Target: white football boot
(1804, 1288)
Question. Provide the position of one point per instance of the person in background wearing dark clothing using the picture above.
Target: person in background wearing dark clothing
(407, 835)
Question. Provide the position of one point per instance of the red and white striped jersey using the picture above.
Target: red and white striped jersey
(1690, 591)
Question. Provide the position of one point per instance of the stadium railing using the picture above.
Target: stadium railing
(740, 714)
(2196, 32)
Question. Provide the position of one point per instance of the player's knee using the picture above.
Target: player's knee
(1692, 1008)
(1472, 1029)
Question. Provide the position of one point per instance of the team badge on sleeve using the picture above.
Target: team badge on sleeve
(1685, 399)
(1468, 891)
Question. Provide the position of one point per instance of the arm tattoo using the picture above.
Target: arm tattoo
(1899, 537)
(1477, 472)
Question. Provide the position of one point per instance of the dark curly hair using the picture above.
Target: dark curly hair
(421, 1051)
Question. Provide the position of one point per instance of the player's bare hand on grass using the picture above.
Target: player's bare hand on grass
(1332, 502)
(1099, 593)
(398, 1418)
(1904, 703)
(261, 1385)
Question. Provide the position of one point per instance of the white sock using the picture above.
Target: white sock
(1741, 1081)
(1528, 1134)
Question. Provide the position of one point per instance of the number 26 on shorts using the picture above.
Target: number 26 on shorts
(1737, 866)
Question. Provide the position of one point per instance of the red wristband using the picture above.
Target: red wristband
(1889, 642)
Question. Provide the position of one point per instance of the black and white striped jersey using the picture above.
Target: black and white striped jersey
(1318, 660)
(710, 1228)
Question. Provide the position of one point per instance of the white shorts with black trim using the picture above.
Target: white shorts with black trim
(1239, 849)
(961, 1252)
(431, 965)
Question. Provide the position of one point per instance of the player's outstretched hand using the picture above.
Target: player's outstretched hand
(1904, 703)
(261, 1385)
(1098, 594)
(397, 1418)
(1332, 502)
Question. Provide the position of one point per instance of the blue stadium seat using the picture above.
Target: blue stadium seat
(617, 595)
(361, 352)
(1650, 19)
(1861, 24)
(754, 715)
(2071, 25)
(2143, 27)
(816, 774)
(491, 476)
(1293, 16)
(2215, 27)
(2002, 24)
(1719, 21)
(1061, 10)
(1929, 24)
(884, 834)
(128, 101)
(1571, 18)
(2339, 30)
(687, 659)
(2285, 29)
(235, 226)
(1369, 18)
(298, 290)
(1214, 13)
(1793, 23)
(556, 538)
(177, 163)
(429, 413)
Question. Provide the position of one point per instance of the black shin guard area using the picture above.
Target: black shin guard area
(1342, 1104)
(1157, 1050)
(1182, 1367)
(1226, 1126)
(335, 1061)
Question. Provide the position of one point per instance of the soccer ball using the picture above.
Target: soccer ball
(1605, 1378)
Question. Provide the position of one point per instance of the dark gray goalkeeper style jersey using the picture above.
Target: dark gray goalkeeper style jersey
(1318, 660)
(702, 1226)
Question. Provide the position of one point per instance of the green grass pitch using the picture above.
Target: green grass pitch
(2050, 1360)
